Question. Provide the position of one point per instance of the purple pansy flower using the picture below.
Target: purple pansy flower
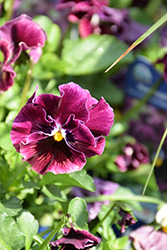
(126, 221)
(23, 33)
(134, 155)
(146, 238)
(75, 239)
(56, 133)
(103, 187)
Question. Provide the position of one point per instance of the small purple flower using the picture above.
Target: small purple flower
(75, 239)
(103, 187)
(134, 155)
(146, 238)
(23, 34)
(163, 36)
(85, 13)
(126, 221)
(57, 133)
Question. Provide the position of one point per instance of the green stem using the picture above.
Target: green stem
(155, 159)
(10, 11)
(155, 26)
(27, 84)
(126, 198)
(94, 230)
(51, 235)
(14, 176)
(137, 107)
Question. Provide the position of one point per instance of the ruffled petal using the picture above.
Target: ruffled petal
(73, 101)
(79, 239)
(49, 102)
(48, 155)
(30, 119)
(5, 47)
(97, 149)
(22, 33)
(101, 118)
(7, 75)
(80, 139)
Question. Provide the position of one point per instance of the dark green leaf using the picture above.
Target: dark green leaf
(10, 207)
(80, 179)
(53, 192)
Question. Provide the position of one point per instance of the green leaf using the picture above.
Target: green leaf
(78, 211)
(80, 179)
(52, 30)
(11, 207)
(11, 237)
(53, 192)
(2, 192)
(29, 227)
(92, 54)
(5, 141)
(121, 243)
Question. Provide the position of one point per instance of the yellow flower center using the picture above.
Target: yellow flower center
(164, 224)
(58, 136)
(159, 162)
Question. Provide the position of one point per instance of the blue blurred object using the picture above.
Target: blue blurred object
(141, 77)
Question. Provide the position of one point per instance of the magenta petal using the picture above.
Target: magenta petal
(30, 119)
(6, 50)
(48, 155)
(81, 138)
(97, 149)
(79, 239)
(22, 33)
(50, 103)
(73, 101)
(101, 118)
(6, 78)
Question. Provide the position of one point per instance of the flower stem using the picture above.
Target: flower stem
(155, 159)
(94, 230)
(10, 10)
(125, 198)
(27, 84)
(51, 235)
(137, 107)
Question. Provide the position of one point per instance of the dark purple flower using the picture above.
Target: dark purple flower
(126, 221)
(103, 187)
(6, 71)
(75, 239)
(160, 171)
(149, 128)
(146, 238)
(134, 155)
(23, 34)
(56, 133)
(163, 36)
(164, 61)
